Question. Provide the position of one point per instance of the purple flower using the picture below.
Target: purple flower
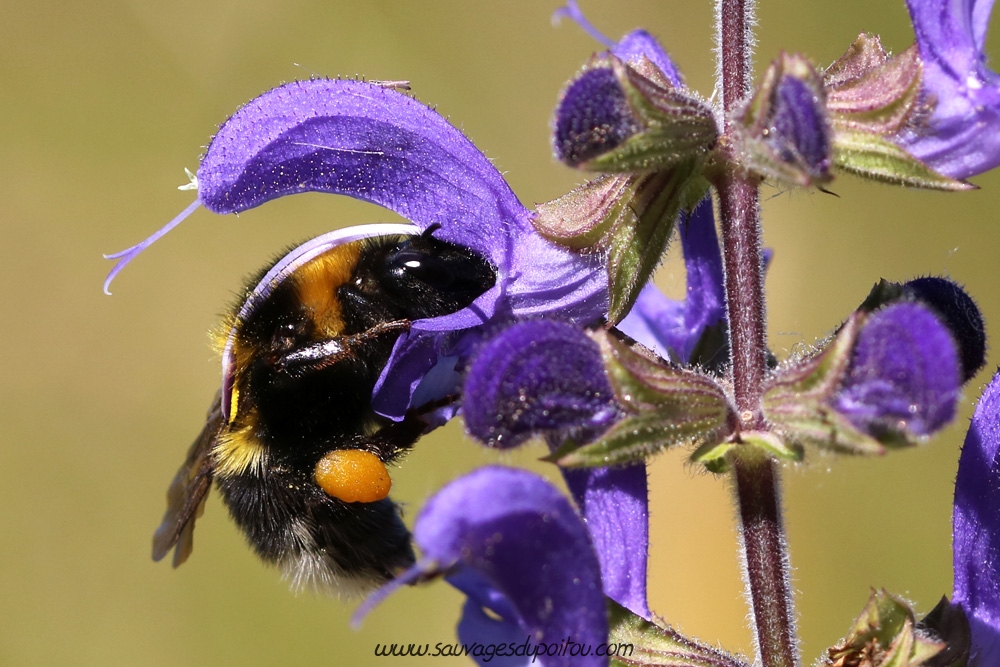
(904, 375)
(799, 133)
(628, 109)
(513, 543)
(373, 143)
(959, 313)
(977, 528)
(961, 135)
(545, 377)
(537, 377)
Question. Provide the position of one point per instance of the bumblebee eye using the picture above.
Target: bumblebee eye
(429, 269)
(287, 336)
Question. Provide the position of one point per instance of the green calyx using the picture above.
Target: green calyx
(869, 155)
(628, 216)
(646, 643)
(885, 634)
(674, 126)
(666, 406)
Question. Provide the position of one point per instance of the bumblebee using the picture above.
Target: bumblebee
(292, 442)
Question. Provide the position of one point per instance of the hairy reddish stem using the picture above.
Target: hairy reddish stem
(765, 550)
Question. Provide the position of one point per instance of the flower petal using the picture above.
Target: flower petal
(639, 44)
(593, 118)
(547, 377)
(615, 504)
(962, 134)
(373, 143)
(977, 527)
(537, 377)
(673, 328)
(515, 545)
(904, 374)
(800, 132)
(362, 140)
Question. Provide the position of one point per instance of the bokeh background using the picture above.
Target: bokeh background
(101, 106)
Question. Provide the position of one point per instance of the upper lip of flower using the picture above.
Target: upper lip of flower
(370, 142)
(960, 135)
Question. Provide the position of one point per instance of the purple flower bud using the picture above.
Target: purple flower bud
(537, 377)
(904, 375)
(783, 132)
(631, 98)
(976, 540)
(799, 130)
(960, 137)
(593, 118)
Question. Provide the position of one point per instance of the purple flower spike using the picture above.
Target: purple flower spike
(977, 528)
(904, 375)
(961, 136)
(515, 545)
(673, 328)
(537, 377)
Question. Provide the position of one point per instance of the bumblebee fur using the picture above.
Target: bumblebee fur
(303, 352)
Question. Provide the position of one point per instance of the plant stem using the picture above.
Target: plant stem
(756, 478)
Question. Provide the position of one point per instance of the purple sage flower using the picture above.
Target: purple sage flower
(370, 142)
(977, 528)
(961, 135)
(594, 115)
(537, 377)
(543, 377)
(799, 132)
(905, 374)
(514, 544)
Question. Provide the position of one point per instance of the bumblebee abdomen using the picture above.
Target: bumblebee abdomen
(319, 542)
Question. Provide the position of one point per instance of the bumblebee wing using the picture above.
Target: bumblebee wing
(188, 492)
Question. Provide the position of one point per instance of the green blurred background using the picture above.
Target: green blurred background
(101, 106)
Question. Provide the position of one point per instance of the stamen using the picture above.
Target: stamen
(127, 255)
(572, 11)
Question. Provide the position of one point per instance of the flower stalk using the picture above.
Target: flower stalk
(756, 478)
